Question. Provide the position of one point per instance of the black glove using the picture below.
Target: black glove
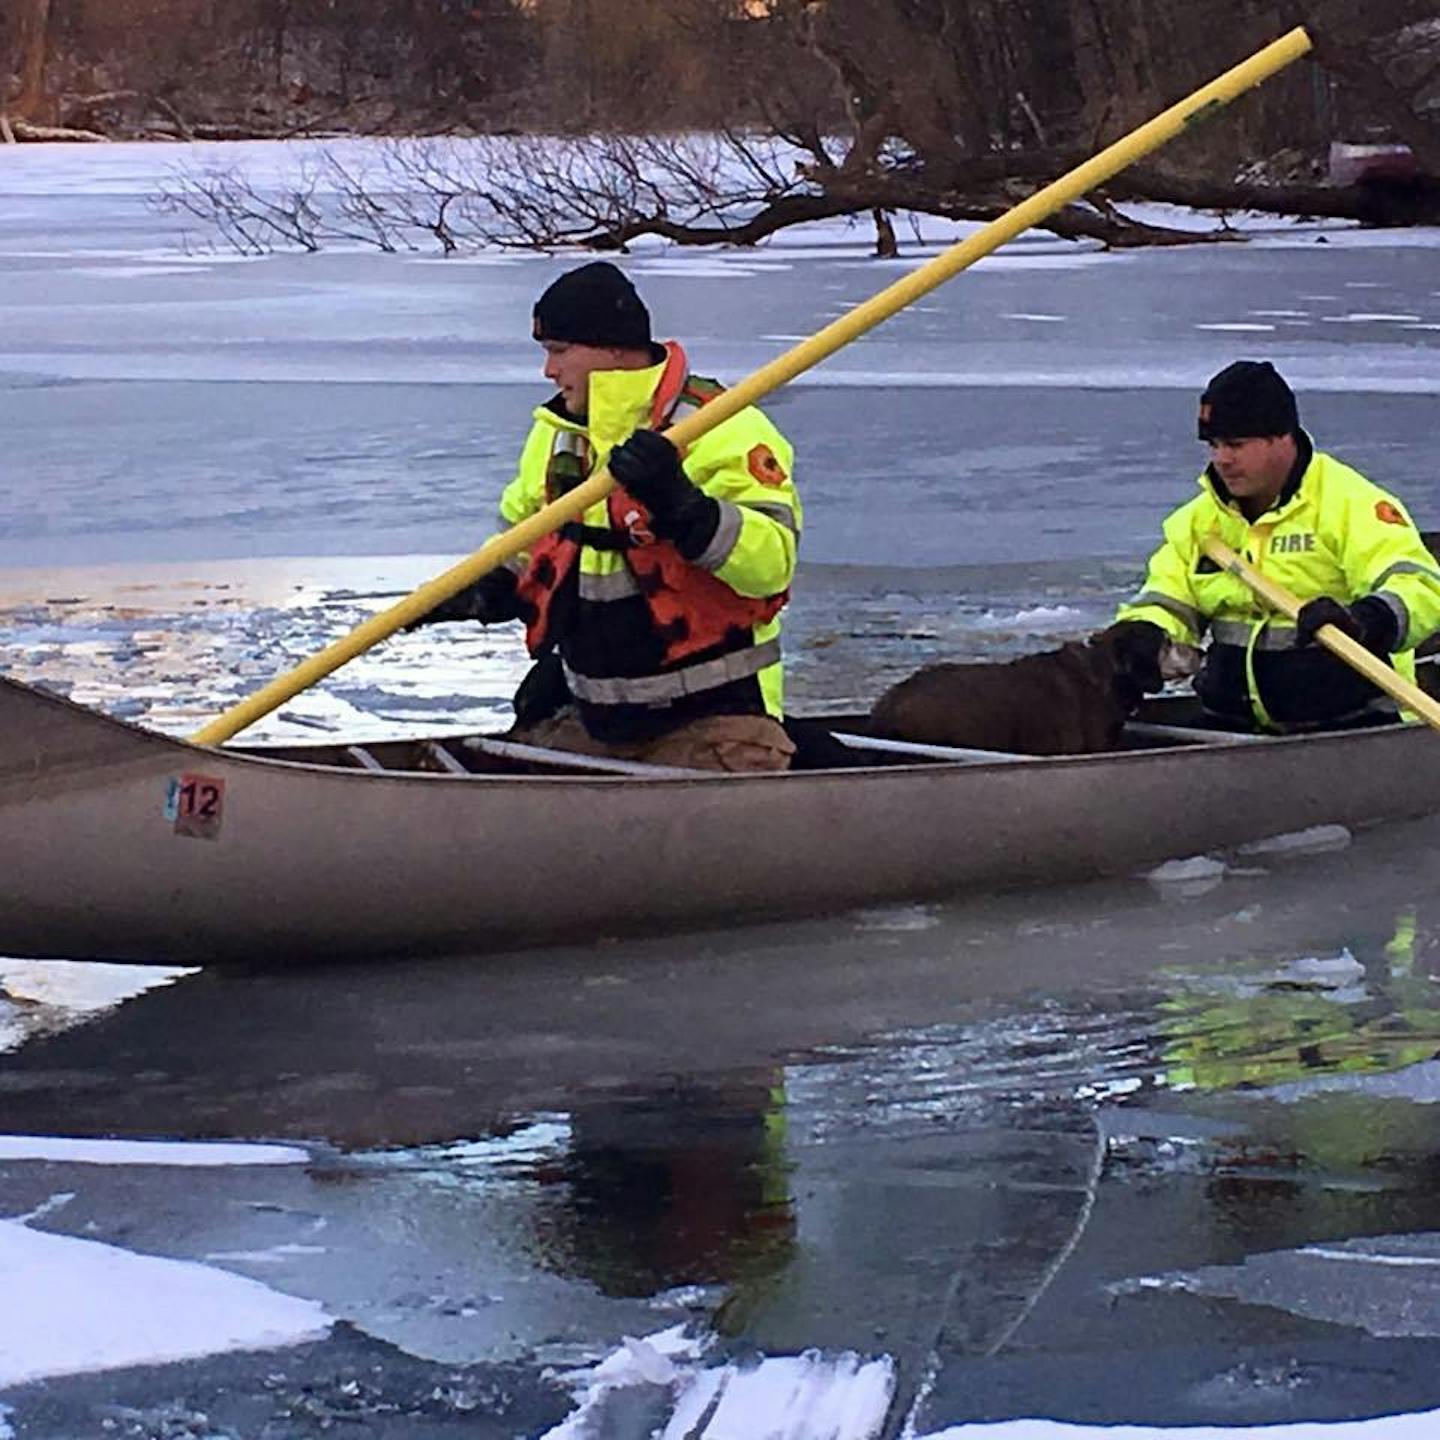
(543, 691)
(1370, 621)
(1136, 645)
(490, 600)
(647, 465)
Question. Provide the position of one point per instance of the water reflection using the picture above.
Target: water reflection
(983, 1146)
(689, 1185)
(1347, 1013)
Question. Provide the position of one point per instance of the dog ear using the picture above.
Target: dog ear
(1136, 646)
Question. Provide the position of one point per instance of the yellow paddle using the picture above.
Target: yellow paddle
(1352, 652)
(500, 548)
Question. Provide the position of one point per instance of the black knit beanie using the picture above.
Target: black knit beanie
(1246, 399)
(594, 305)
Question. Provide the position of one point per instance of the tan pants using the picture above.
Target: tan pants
(714, 742)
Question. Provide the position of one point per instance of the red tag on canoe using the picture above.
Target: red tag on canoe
(195, 805)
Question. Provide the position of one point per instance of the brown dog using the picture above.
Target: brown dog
(1069, 701)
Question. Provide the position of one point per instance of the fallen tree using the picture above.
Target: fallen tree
(867, 108)
(606, 192)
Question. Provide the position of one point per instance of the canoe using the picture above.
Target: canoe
(121, 843)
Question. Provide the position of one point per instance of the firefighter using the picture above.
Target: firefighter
(654, 620)
(1342, 545)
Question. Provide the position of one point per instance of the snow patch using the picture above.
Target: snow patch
(42, 997)
(791, 1397)
(1359, 1257)
(1312, 841)
(62, 1150)
(82, 985)
(1341, 969)
(1187, 871)
(1363, 317)
(635, 1363)
(545, 1138)
(799, 1397)
(1386, 1427)
(897, 918)
(77, 1305)
(1036, 617)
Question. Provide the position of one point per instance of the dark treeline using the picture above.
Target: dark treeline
(900, 102)
(261, 67)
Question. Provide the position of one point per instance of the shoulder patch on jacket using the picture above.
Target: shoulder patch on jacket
(1390, 514)
(765, 467)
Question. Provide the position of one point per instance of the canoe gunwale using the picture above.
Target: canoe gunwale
(257, 753)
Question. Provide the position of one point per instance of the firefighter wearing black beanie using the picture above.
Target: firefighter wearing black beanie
(1345, 547)
(654, 617)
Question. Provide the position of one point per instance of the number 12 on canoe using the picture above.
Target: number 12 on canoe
(195, 805)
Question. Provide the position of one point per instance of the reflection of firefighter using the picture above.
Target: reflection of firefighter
(687, 1186)
(1318, 1168)
(1385, 1017)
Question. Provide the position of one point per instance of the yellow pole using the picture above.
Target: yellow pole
(824, 343)
(1352, 652)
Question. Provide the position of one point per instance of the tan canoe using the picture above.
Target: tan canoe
(120, 843)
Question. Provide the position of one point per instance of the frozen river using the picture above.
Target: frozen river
(1156, 1153)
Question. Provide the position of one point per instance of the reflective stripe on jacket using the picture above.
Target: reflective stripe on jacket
(1335, 534)
(649, 639)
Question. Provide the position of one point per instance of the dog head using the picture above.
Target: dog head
(1145, 657)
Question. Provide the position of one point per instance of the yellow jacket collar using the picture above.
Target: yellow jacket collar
(623, 401)
(620, 403)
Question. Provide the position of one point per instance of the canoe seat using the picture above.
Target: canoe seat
(1192, 734)
(569, 760)
(437, 752)
(1172, 734)
(920, 751)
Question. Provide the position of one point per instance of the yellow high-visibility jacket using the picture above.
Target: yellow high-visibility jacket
(1331, 532)
(614, 662)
